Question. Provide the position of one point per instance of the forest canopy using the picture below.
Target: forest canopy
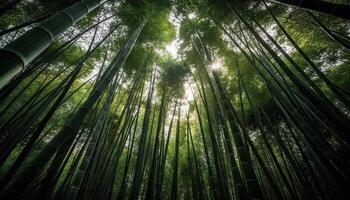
(174, 99)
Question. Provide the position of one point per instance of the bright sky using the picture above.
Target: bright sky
(192, 16)
(185, 106)
(216, 65)
(174, 46)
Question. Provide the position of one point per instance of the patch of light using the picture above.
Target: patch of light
(185, 107)
(191, 16)
(216, 65)
(272, 31)
(186, 99)
(173, 48)
(188, 92)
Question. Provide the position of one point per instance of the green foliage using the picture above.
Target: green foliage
(173, 76)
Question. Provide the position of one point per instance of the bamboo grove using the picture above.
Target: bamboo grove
(174, 99)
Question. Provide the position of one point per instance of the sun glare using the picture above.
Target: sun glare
(191, 16)
(216, 65)
(172, 48)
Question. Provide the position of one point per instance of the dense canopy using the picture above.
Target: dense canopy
(174, 99)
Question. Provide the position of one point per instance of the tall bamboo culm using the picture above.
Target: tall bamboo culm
(15, 56)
